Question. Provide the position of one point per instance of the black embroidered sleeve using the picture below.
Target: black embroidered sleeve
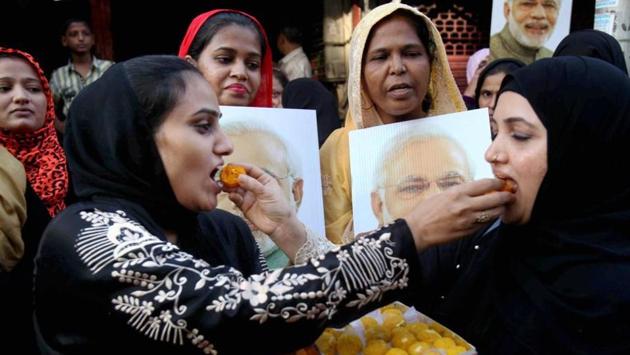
(167, 295)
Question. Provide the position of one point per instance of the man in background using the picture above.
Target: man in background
(295, 63)
(82, 69)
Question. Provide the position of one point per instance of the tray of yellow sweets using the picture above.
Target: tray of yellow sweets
(393, 330)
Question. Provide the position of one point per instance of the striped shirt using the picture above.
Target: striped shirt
(66, 81)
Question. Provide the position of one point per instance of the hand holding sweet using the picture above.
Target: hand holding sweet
(258, 195)
(457, 212)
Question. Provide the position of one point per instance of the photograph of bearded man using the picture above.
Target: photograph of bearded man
(528, 30)
(283, 143)
(396, 166)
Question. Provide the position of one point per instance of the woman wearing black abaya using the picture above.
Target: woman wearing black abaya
(552, 278)
(594, 44)
(118, 271)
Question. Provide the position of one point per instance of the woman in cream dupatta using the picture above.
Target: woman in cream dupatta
(442, 97)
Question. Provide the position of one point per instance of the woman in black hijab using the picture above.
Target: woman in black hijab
(120, 270)
(305, 93)
(553, 277)
(594, 44)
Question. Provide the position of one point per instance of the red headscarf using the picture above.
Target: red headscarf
(263, 96)
(40, 151)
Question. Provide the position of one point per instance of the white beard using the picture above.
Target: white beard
(522, 38)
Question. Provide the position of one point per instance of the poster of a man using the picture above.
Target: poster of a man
(284, 144)
(410, 161)
(528, 30)
(414, 167)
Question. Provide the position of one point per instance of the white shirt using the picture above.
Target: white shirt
(296, 64)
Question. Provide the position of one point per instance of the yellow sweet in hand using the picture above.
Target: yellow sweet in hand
(230, 173)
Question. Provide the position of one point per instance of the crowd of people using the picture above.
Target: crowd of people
(115, 235)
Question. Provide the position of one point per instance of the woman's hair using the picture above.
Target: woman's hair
(159, 81)
(280, 76)
(13, 55)
(421, 30)
(504, 65)
(216, 23)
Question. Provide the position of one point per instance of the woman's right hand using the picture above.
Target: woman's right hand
(260, 198)
(457, 212)
(264, 204)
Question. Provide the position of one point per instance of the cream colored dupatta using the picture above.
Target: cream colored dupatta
(334, 154)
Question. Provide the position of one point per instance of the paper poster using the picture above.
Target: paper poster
(396, 166)
(528, 24)
(284, 143)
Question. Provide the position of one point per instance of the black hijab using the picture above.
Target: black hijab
(111, 152)
(565, 273)
(594, 44)
(305, 93)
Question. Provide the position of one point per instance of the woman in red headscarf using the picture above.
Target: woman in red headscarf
(27, 132)
(27, 127)
(231, 49)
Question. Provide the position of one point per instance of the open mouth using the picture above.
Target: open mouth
(399, 87)
(215, 175)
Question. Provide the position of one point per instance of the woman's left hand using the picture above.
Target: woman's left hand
(260, 198)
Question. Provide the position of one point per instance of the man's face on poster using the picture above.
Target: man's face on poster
(531, 22)
(418, 171)
(270, 154)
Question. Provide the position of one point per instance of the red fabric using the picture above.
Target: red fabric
(40, 151)
(263, 96)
